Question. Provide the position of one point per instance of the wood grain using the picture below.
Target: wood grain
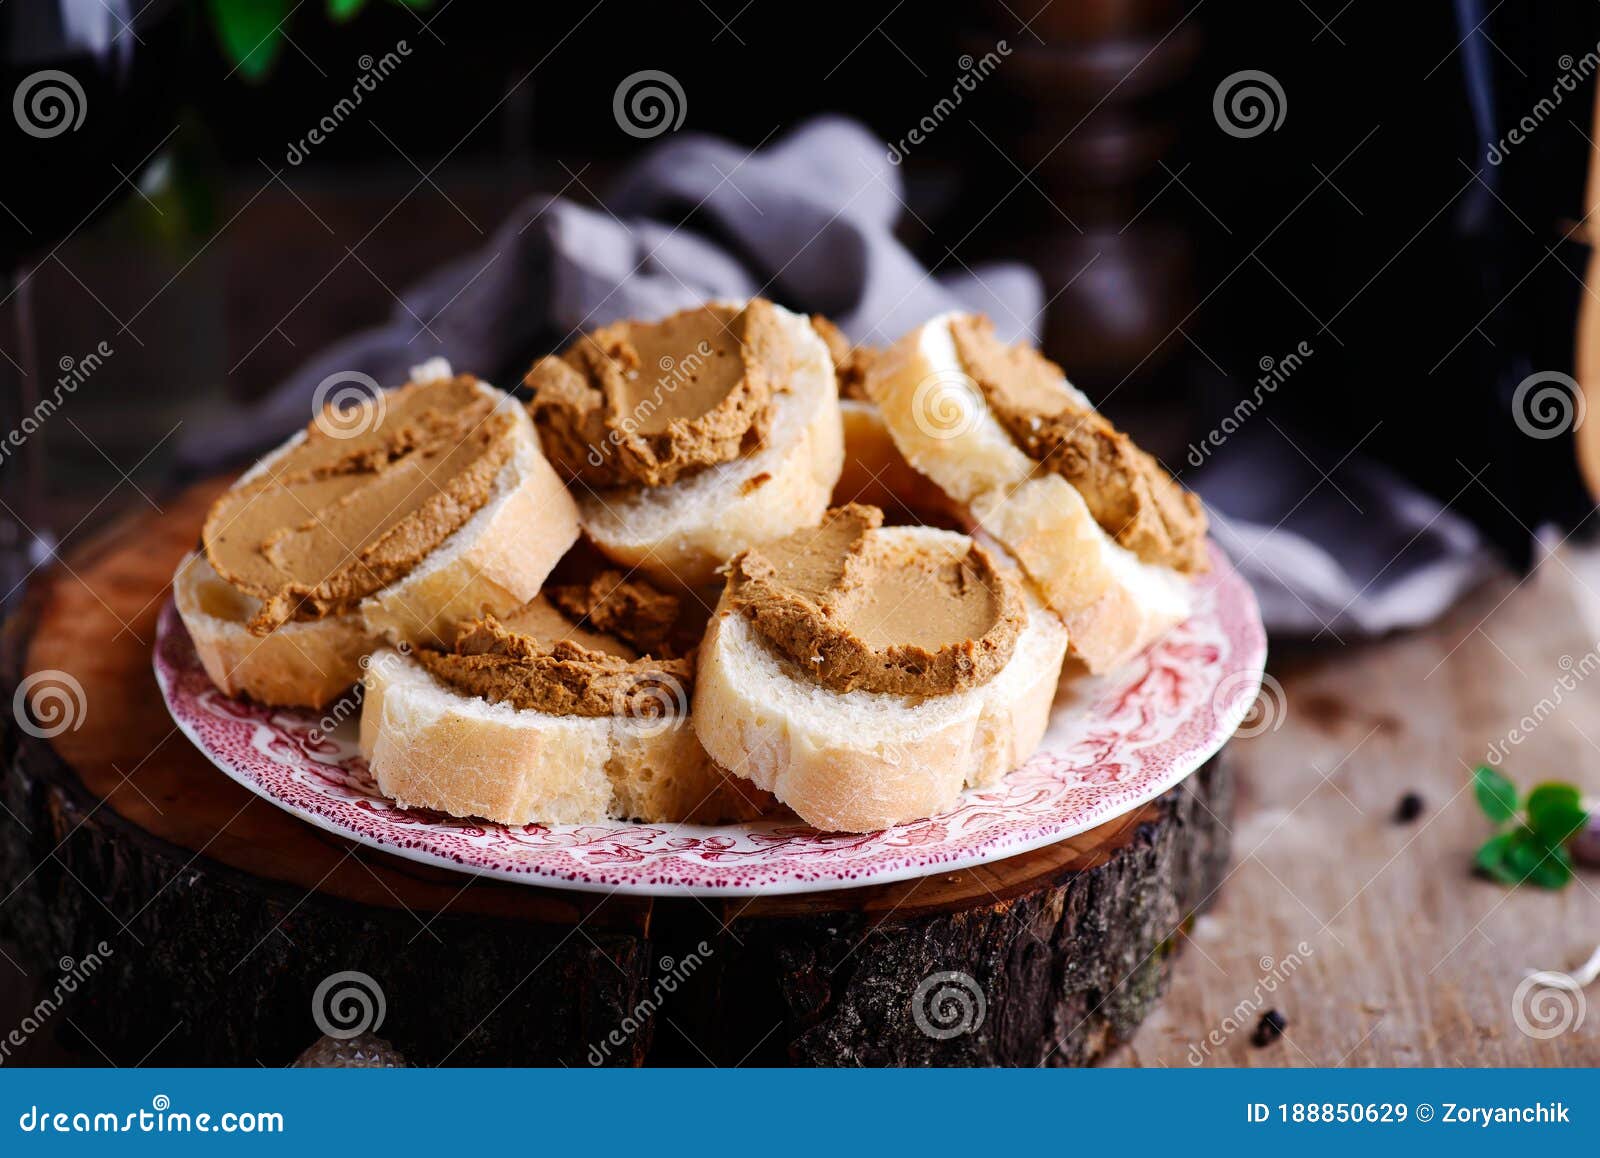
(1411, 960)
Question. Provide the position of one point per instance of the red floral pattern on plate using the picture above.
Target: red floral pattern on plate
(1113, 743)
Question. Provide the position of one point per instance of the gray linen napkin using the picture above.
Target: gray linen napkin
(809, 222)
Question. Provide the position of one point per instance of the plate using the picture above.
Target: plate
(1114, 742)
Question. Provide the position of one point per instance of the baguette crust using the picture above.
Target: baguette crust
(1113, 604)
(299, 665)
(679, 534)
(861, 761)
(428, 746)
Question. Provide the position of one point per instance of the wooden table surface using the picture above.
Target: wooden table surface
(1371, 936)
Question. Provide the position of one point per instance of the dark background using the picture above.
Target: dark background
(1369, 225)
(1176, 257)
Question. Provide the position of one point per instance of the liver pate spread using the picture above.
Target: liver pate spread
(859, 609)
(360, 501)
(578, 650)
(1127, 491)
(648, 402)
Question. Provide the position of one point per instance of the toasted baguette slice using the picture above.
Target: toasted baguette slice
(860, 761)
(679, 534)
(431, 747)
(493, 563)
(1113, 603)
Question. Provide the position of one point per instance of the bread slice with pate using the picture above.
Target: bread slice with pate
(572, 709)
(386, 521)
(865, 675)
(688, 439)
(1110, 540)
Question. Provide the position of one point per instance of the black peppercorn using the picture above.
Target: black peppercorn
(1269, 1029)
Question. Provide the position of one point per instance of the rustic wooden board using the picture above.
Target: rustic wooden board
(225, 912)
(1412, 961)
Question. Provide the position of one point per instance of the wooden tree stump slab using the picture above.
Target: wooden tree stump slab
(221, 914)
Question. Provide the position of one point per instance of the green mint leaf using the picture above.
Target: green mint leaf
(1556, 813)
(1492, 855)
(1554, 870)
(1524, 853)
(251, 33)
(1497, 796)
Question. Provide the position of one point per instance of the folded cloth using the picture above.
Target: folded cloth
(1355, 552)
(809, 222)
